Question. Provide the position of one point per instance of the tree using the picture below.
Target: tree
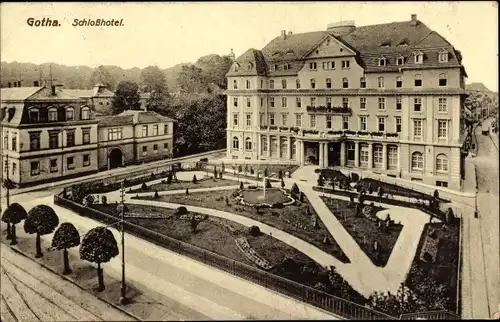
(282, 183)
(98, 246)
(66, 236)
(155, 83)
(126, 97)
(14, 214)
(240, 169)
(101, 75)
(194, 179)
(266, 172)
(41, 220)
(192, 80)
(169, 178)
(194, 223)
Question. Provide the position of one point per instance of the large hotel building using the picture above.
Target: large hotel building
(385, 98)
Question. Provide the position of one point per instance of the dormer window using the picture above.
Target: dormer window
(52, 113)
(382, 61)
(235, 67)
(400, 61)
(70, 114)
(250, 66)
(286, 66)
(385, 45)
(85, 113)
(275, 67)
(443, 56)
(34, 115)
(403, 43)
(419, 58)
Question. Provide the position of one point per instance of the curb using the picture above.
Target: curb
(74, 283)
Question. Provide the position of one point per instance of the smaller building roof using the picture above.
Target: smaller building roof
(130, 117)
(17, 93)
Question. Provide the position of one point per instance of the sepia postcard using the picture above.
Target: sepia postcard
(172, 161)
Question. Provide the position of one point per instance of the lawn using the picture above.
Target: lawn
(273, 196)
(182, 185)
(365, 231)
(291, 219)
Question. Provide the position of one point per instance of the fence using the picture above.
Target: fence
(330, 303)
(438, 315)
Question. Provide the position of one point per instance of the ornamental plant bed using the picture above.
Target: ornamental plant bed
(182, 185)
(436, 283)
(365, 231)
(273, 196)
(292, 219)
(271, 168)
(392, 189)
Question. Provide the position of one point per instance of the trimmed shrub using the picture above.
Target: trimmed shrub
(156, 194)
(280, 174)
(354, 177)
(144, 186)
(282, 183)
(295, 189)
(268, 183)
(195, 180)
(251, 170)
(254, 231)
(240, 169)
(187, 191)
(320, 181)
(104, 199)
(242, 186)
(181, 211)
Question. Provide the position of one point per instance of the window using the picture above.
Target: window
(443, 80)
(144, 130)
(155, 130)
(329, 65)
(235, 84)
(345, 82)
(398, 103)
(6, 141)
(380, 82)
(362, 120)
(235, 101)
(363, 155)
(417, 129)
(297, 83)
(249, 119)
(381, 124)
(312, 121)
(235, 67)
(328, 83)
(378, 155)
(328, 102)
(417, 161)
(400, 61)
(85, 113)
(399, 82)
(298, 102)
(418, 80)
(345, 122)
(155, 148)
(86, 160)
(236, 143)
(248, 144)
(70, 138)
(86, 136)
(53, 165)
(261, 83)
(382, 61)
(271, 101)
(398, 124)
(419, 58)
(70, 162)
(14, 165)
(248, 84)
(441, 163)
(417, 104)
(35, 168)
(235, 119)
(442, 104)
(286, 66)
(313, 83)
(261, 118)
(362, 82)
(114, 134)
(53, 140)
(261, 102)
(298, 120)
(443, 57)
(145, 150)
(14, 143)
(284, 119)
(328, 121)
(392, 157)
(381, 103)
(312, 66)
(362, 103)
(442, 129)
(443, 184)
(351, 149)
(313, 101)
(345, 102)
(283, 83)
(264, 144)
(35, 141)
(249, 103)
(345, 64)
(34, 115)
(284, 102)
(70, 114)
(52, 114)
(271, 118)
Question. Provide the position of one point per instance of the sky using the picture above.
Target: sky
(169, 33)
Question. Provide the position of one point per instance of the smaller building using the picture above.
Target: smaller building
(99, 97)
(132, 137)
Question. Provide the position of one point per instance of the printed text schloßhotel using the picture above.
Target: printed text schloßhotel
(97, 22)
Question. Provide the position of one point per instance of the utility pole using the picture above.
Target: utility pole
(123, 289)
(6, 185)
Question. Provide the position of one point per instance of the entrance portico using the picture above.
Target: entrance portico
(323, 153)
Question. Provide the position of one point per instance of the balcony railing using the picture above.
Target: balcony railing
(330, 109)
(340, 133)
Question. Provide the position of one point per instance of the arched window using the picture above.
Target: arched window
(382, 61)
(441, 163)
(235, 67)
(419, 57)
(248, 144)
(236, 143)
(417, 161)
(52, 114)
(381, 82)
(250, 66)
(443, 56)
(70, 113)
(443, 79)
(85, 113)
(400, 61)
(418, 80)
(34, 115)
(399, 82)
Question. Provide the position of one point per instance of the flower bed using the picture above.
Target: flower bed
(251, 254)
(146, 216)
(206, 182)
(199, 217)
(430, 247)
(224, 224)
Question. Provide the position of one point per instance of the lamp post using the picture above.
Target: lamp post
(123, 289)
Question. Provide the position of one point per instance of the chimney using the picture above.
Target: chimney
(10, 84)
(413, 21)
(35, 83)
(53, 89)
(19, 84)
(283, 34)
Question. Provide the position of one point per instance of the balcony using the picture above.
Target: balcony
(329, 110)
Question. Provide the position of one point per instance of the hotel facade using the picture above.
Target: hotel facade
(385, 98)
